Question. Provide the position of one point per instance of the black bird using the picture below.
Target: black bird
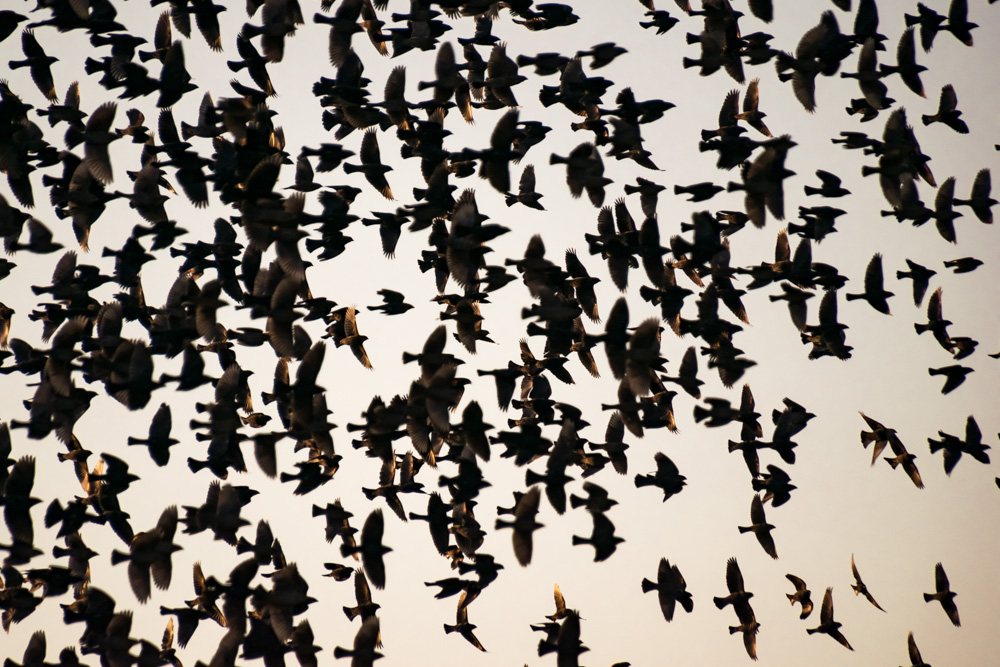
(760, 527)
(921, 276)
(371, 548)
(670, 588)
(667, 477)
(859, 586)
(944, 595)
(829, 186)
(947, 112)
(979, 199)
(875, 294)
(827, 625)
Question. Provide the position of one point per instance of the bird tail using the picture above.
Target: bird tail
(868, 170)
(920, 328)
(531, 477)
(644, 480)
(408, 357)
(118, 557)
(744, 529)
(928, 597)
(935, 445)
(892, 462)
(720, 602)
(648, 586)
(244, 546)
(351, 613)
(577, 540)
(701, 414)
(809, 190)
(342, 652)
(576, 501)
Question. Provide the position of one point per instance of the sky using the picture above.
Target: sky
(843, 505)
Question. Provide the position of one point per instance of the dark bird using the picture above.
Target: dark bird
(602, 538)
(859, 586)
(393, 303)
(371, 548)
(363, 653)
(921, 276)
(875, 294)
(526, 193)
(963, 264)
(760, 527)
(979, 200)
(944, 595)
(739, 597)
(954, 447)
(462, 625)
(667, 478)
(936, 323)
(947, 112)
(827, 625)
(670, 588)
(829, 186)
(954, 376)
(151, 551)
(524, 524)
(914, 652)
(39, 64)
(802, 595)
(371, 164)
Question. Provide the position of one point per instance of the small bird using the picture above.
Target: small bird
(666, 477)
(371, 548)
(979, 199)
(524, 524)
(859, 586)
(827, 625)
(760, 527)
(954, 376)
(393, 303)
(963, 264)
(462, 625)
(363, 654)
(802, 595)
(602, 538)
(944, 595)
(875, 294)
(954, 447)
(371, 164)
(921, 276)
(829, 186)
(947, 112)
(671, 589)
(911, 647)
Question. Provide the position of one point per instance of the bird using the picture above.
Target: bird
(921, 276)
(943, 594)
(524, 524)
(859, 586)
(760, 528)
(802, 595)
(371, 548)
(827, 625)
(371, 164)
(947, 111)
(667, 478)
(914, 652)
(875, 294)
(670, 588)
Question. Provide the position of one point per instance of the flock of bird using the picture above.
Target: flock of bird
(99, 335)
